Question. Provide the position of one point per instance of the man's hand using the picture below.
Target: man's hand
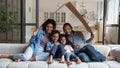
(92, 36)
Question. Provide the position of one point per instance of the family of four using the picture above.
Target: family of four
(49, 43)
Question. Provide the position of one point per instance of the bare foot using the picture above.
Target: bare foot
(32, 59)
(110, 58)
(61, 61)
(50, 62)
(18, 60)
(68, 62)
(78, 61)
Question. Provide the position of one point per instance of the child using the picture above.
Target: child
(69, 52)
(54, 48)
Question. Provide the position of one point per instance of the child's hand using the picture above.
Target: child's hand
(57, 43)
(72, 52)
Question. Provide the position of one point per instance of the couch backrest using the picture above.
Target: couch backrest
(10, 48)
(103, 49)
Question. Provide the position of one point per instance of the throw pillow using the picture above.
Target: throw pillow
(115, 53)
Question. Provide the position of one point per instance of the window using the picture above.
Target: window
(59, 17)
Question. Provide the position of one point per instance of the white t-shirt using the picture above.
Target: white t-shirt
(68, 49)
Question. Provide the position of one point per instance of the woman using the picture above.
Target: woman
(85, 51)
(35, 50)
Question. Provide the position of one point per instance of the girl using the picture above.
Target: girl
(54, 47)
(69, 52)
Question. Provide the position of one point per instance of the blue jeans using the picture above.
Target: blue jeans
(70, 56)
(57, 51)
(89, 54)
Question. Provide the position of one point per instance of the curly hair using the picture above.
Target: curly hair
(49, 21)
(52, 33)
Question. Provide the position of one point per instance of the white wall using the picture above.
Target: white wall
(51, 6)
(90, 5)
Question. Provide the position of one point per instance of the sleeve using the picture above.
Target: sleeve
(38, 37)
(32, 39)
(48, 46)
(83, 38)
(81, 35)
(65, 48)
(71, 49)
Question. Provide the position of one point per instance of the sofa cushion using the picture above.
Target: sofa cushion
(56, 64)
(18, 65)
(97, 65)
(5, 62)
(38, 64)
(112, 64)
(82, 65)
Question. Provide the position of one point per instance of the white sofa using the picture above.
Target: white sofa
(9, 48)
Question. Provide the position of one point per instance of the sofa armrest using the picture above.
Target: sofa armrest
(10, 48)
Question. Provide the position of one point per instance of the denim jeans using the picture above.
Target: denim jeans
(29, 53)
(89, 54)
(57, 51)
(70, 56)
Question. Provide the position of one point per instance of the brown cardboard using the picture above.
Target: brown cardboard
(77, 14)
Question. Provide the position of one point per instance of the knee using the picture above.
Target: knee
(84, 57)
(67, 54)
(32, 45)
(61, 46)
(90, 48)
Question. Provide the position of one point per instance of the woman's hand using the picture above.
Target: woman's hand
(35, 32)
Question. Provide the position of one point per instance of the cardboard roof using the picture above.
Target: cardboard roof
(76, 13)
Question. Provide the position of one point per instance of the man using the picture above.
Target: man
(82, 47)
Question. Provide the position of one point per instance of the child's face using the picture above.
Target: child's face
(63, 40)
(55, 37)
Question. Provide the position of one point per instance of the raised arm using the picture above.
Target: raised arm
(91, 38)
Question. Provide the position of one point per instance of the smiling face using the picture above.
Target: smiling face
(67, 29)
(63, 40)
(55, 37)
(49, 28)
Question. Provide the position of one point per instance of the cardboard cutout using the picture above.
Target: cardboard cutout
(77, 14)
